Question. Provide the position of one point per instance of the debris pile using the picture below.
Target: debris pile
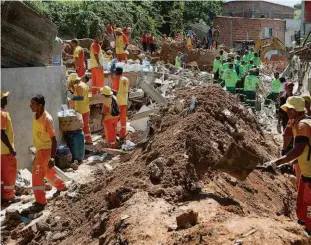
(167, 176)
(203, 57)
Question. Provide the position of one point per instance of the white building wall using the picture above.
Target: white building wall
(292, 26)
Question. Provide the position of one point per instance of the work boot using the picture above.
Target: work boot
(57, 193)
(7, 202)
(35, 208)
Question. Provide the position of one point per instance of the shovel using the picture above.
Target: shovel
(238, 162)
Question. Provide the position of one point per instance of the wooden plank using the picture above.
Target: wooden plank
(27, 38)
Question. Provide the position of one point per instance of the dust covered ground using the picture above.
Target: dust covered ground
(169, 191)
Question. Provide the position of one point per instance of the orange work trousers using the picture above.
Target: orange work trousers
(303, 203)
(121, 57)
(123, 112)
(110, 126)
(86, 127)
(81, 71)
(40, 170)
(97, 74)
(8, 167)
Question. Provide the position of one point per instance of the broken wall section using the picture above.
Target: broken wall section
(23, 84)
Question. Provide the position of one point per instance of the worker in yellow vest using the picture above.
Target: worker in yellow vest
(81, 103)
(110, 116)
(120, 87)
(97, 69)
(121, 45)
(189, 42)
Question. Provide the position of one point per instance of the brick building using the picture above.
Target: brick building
(257, 9)
(239, 28)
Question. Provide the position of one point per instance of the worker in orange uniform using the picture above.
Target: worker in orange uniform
(301, 129)
(121, 45)
(81, 103)
(189, 42)
(152, 44)
(110, 116)
(120, 88)
(97, 69)
(45, 144)
(78, 55)
(8, 160)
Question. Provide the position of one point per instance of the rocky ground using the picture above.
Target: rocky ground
(171, 189)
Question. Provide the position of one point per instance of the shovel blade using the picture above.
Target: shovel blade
(238, 162)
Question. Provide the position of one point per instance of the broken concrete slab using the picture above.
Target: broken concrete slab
(152, 92)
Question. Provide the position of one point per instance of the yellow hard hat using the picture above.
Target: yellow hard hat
(4, 94)
(294, 102)
(73, 77)
(106, 90)
(118, 30)
(306, 97)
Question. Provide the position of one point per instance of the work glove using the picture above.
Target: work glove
(270, 164)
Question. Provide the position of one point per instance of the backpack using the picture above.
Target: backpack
(115, 110)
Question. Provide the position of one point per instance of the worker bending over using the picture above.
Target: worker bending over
(97, 69)
(120, 88)
(78, 55)
(110, 116)
(231, 78)
(121, 45)
(8, 162)
(301, 128)
(81, 103)
(45, 144)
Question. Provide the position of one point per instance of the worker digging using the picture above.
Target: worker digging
(153, 126)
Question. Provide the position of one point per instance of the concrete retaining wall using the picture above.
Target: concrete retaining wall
(23, 84)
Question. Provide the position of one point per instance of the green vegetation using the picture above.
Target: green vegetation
(80, 19)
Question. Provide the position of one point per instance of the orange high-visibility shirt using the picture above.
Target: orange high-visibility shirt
(6, 124)
(43, 131)
(79, 53)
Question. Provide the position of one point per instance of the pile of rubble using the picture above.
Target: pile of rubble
(170, 179)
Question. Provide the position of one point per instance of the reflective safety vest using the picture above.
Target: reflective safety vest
(178, 61)
(189, 42)
(216, 65)
(107, 108)
(92, 56)
(122, 94)
(230, 78)
(242, 70)
(276, 85)
(120, 45)
(251, 82)
(304, 160)
(82, 106)
(257, 61)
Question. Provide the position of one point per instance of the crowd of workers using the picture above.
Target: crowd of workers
(240, 76)
(114, 109)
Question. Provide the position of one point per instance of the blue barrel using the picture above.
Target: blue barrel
(75, 142)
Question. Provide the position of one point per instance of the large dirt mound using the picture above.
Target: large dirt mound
(172, 171)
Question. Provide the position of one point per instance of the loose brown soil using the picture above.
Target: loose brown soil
(173, 173)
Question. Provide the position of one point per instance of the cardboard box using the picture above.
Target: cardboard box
(71, 123)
